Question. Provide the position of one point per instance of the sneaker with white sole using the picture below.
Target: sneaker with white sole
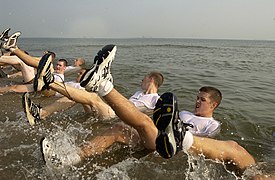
(31, 109)
(171, 129)
(59, 151)
(5, 35)
(44, 76)
(100, 70)
(10, 43)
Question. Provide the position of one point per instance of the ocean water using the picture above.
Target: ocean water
(242, 70)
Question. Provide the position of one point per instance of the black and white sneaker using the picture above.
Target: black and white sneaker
(10, 43)
(100, 70)
(59, 151)
(171, 129)
(5, 35)
(31, 109)
(44, 75)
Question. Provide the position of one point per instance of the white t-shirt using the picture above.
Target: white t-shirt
(203, 126)
(144, 100)
(58, 77)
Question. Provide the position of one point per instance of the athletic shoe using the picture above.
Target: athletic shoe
(5, 35)
(100, 70)
(31, 109)
(11, 41)
(171, 131)
(44, 75)
(59, 151)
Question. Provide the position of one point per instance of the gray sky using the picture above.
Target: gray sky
(215, 19)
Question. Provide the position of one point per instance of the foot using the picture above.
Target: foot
(10, 44)
(31, 109)
(171, 130)
(100, 70)
(59, 151)
(5, 35)
(44, 76)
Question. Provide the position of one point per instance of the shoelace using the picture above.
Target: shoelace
(35, 111)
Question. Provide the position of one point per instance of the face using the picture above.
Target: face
(145, 83)
(60, 67)
(204, 106)
(79, 74)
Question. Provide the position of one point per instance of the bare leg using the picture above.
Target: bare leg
(17, 88)
(27, 71)
(129, 114)
(29, 60)
(224, 151)
(263, 177)
(120, 132)
(81, 96)
(60, 105)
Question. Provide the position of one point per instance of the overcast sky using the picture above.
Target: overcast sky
(214, 19)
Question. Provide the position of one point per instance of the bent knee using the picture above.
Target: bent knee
(233, 145)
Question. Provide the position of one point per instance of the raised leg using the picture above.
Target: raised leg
(101, 109)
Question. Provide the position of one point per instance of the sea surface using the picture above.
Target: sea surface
(243, 70)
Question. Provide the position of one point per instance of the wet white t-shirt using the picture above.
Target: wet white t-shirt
(203, 126)
(144, 100)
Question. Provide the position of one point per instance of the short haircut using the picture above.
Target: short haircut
(215, 94)
(158, 78)
(81, 60)
(64, 61)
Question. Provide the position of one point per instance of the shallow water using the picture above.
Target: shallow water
(242, 70)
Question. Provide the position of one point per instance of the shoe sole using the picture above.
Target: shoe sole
(25, 103)
(12, 41)
(164, 119)
(5, 35)
(38, 82)
(85, 81)
(48, 154)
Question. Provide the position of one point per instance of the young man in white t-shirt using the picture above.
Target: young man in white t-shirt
(20, 88)
(208, 99)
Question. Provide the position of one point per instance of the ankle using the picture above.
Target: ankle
(105, 88)
(12, 49)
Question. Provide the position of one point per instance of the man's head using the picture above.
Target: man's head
(208, 99)
(154, 78)
(61, 66)
(79, 62)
